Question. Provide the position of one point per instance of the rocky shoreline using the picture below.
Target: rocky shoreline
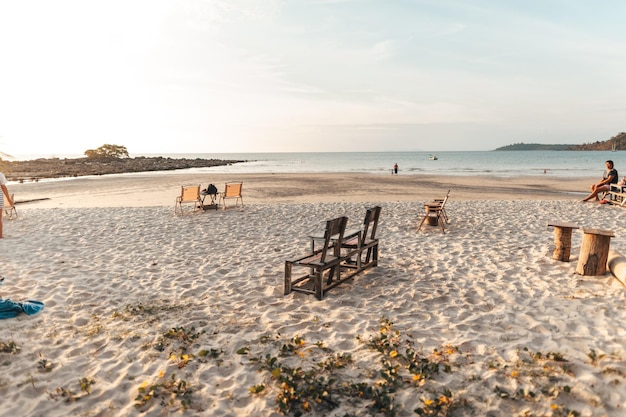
(37, 169)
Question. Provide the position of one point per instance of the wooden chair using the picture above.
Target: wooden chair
(364, 240)
(9, 209)
(442, 202)
(435, 213)
(320, 262)
(231, 190)
(188, 194)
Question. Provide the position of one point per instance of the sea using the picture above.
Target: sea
(450, 163)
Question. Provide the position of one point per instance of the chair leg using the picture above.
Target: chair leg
(421, 223)
(287, 277)
(441, 222)
(375, 255)
(319, 291)
(368, 256)
(359, 259)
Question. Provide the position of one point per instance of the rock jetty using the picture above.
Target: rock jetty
(36, 169)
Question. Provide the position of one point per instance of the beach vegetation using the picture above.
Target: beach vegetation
(96, 327)
(172, 393)
(211, 353)
(44, 365)
(324, 380)
(9, 347)
(70, 396)
(107, 151)
(594, 356)
(329, 377)
(183, 335)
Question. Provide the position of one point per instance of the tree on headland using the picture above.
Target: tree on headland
(107, 152)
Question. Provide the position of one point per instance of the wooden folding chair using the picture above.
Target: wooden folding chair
(435, 213)
(9, 209)
(231, 190)
(188, 194)
(364, 240)
(442, 202)
(318, 262)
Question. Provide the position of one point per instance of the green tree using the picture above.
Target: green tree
(107, 152)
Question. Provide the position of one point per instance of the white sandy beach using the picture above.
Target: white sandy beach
(137, 297)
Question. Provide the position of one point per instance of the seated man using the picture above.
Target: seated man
(610, 177)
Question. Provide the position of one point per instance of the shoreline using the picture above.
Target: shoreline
(151, 189)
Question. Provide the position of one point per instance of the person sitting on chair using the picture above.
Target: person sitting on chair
(610, 177)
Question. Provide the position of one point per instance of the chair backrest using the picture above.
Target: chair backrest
(334, 227)
(189, 193)
(233, 189)
(440, 200)
(370, 223)
(443, 203)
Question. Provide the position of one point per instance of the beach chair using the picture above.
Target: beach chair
(189, 194)
(9, 209)
(323, 264)
(231, 190)
(364, 240)
(435, 213)
(442, 202)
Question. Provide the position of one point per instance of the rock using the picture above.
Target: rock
(36, 169)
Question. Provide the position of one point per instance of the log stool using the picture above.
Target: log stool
(433, 219)
(594, 252)
(562, 240)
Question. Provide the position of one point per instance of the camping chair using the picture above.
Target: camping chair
(231, 190)
(435, 213)
(9, 209)
(188, 194)
(326, 259)
(363, 240)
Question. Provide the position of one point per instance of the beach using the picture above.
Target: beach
(149, 313)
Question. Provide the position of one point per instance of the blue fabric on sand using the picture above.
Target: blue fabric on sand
(10, 309)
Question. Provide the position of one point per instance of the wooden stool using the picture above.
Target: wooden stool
(594, 252)
(433, 219)
(562, 240)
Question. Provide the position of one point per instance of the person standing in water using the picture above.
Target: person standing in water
(395, 168)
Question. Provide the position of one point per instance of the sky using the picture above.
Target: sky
(215, 76)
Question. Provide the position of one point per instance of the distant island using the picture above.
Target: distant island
(617, 143)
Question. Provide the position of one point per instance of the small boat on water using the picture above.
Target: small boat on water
(433, 157)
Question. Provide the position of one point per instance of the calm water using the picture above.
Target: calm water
(501, 163)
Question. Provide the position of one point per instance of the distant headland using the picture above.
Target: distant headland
(616, 143)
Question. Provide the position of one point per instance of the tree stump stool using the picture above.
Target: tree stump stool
(594, 252)
(432, 214)
(562, 240)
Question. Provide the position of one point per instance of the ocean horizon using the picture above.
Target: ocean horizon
(448, 163)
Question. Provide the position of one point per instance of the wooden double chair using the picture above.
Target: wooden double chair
(340, 256)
